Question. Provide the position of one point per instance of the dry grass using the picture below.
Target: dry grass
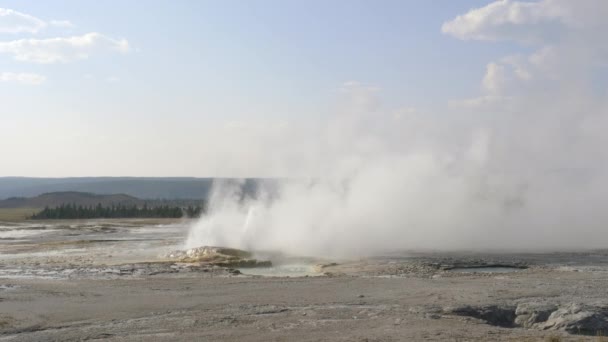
(16, 214)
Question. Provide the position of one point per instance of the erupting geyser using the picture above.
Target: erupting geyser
(390, 186)
(521, 166)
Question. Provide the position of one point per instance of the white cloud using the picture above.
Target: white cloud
(494, 78)
(507, 74)
(528, 22)
(62, 23)
(62, 49)
(22, 78)
(507, 20)
(568, 36)
(12, 21)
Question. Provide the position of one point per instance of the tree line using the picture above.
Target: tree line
(72, 211)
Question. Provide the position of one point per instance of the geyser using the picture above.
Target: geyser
(372, 191)
(522, 166)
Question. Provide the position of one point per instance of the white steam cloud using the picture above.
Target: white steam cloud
(522, 166)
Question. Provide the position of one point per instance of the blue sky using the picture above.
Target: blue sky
(185, 65)
(265, 55)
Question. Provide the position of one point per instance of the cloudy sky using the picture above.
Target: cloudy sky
(214, 88)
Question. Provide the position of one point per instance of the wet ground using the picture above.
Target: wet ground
(109, 279)
(48, 248)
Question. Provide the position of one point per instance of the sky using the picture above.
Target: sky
(215, 88)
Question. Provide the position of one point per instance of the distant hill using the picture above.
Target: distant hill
(78, 198)
(143, 188)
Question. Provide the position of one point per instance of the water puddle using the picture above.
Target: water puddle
(23, 233)
(287, 270)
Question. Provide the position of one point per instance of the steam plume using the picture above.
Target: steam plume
(522, 166)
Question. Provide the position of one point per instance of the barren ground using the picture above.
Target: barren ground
(105, 280)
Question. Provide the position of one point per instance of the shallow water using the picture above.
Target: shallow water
(288, 270)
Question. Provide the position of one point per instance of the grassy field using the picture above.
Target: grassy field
(16, 214)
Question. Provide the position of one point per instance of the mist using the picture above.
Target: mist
(370, 182)
(520, 166)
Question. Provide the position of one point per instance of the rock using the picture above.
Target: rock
(572, 318)
(529, 314)
(218, 256)
(502, 316)
(233, 271)
(578, 319)
(213, 252)
(320, 267)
